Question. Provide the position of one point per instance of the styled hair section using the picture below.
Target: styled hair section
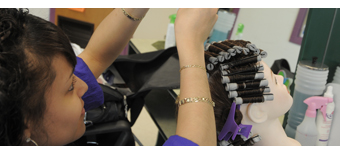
(28, 45)
(237, 79)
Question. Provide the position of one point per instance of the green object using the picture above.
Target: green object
(287, 84)
(240, 28)
(172, 18)
(282, 74)
(286, 81)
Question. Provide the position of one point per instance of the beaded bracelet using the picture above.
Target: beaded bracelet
(130, 16)
(191, 66)
(194, 99)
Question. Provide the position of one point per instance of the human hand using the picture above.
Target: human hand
(193, 25)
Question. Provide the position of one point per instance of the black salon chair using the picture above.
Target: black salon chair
(109, 125)
(282, 64)
(140, 73)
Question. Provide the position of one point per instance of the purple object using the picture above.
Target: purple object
(295, 38)
(235, 10)
(176, 140)
(231, 129)
(94, 96)
(52, 15)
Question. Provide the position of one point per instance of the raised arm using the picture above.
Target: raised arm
(196, 121)
(110, 38)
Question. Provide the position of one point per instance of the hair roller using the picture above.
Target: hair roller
(263, 53)
(243, 100)
(243, 77)
(223, 67)
(250, 59)
(224, 143)
(232, 51)
(248, 68)
(222, 46)
(220, 58)
(242, 43)
(210, 66)
(245, 51)
(206, 46)
(238, 49)
(211, 54)
(245, 85)
(210, 57)
(215, 49)
(254, 99)
(253, 48)
(256, 138)
(238, 43)
(228, 43)
(226, 55)
(241, 93)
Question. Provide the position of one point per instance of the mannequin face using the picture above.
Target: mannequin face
(269, 110)
(282, 99)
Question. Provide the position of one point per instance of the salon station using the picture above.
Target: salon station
(300, 44)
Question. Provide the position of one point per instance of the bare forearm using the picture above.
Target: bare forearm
(110, 38)
(195, 120)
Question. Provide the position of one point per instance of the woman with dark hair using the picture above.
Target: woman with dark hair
(45, 89)
(248, 97)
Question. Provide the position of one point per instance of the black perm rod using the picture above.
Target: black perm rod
(261, 99)
(235, 86)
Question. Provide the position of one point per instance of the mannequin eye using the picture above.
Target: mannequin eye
(273, 76)
(275, 80)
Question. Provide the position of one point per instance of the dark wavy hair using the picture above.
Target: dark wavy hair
(222, 107)
(220, 96)
(28, 45)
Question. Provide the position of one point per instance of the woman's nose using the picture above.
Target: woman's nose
(279, 79)
(81, 87)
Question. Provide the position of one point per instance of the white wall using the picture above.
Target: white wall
(270, 29)
(155, 24)
(40, 12)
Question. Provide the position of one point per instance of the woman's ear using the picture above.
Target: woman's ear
(27, 131)
(257, 113)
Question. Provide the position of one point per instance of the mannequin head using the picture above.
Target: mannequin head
(255, 114)
(271, 109)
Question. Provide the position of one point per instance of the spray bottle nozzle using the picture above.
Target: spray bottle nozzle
(316, 102)
(240, 28)
(328, 94)
(172, 18)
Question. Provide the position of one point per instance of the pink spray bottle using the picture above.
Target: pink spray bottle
(307, 132)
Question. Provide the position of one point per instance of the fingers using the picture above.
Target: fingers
(195, 23)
